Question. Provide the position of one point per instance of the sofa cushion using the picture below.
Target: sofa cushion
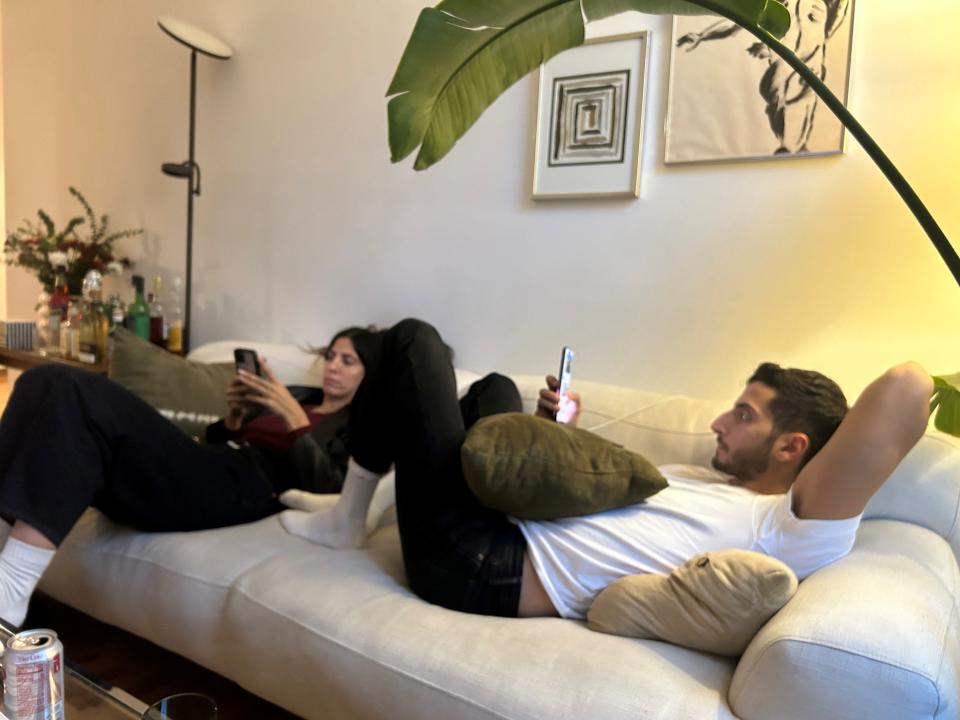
(189, 394)
(715, 601)
(357, 643)
(537, 469)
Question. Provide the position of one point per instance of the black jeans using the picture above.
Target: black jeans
(70, 439)
(457, 553)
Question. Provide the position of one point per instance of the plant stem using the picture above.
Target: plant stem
(899, 182)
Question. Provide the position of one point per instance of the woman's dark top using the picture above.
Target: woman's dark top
(316, 461)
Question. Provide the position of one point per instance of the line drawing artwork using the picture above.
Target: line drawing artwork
(589, 118)
(789, 105)
(589, 122)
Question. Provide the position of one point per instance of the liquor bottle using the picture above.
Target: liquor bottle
(158, 330)
(61, 292)
(94, 324)
(117, 312)
(138, 314)
(175, 321)
(70, 332)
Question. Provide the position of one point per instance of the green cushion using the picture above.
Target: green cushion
(536, 469)
(191, 395)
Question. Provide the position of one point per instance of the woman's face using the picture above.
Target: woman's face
(343, 371)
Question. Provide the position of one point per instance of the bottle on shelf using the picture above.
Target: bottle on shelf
(94, 324)
(138, 314)
(117, 312)
(57, 303)
(43, 339)
(175, 320)
(70, 332)
(60, 297)
(158, 325)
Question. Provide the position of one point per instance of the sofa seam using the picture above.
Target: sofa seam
(191, 576)
(943, 639)
(381, 663)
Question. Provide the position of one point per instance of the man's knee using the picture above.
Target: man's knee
(500, 386)
(412, 329)
(46, 374)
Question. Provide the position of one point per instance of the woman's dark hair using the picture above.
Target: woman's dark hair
(806, 401)
(361, 337)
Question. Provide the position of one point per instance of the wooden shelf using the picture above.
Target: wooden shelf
(26, 359)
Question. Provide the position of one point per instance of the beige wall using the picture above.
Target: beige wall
(304, 225)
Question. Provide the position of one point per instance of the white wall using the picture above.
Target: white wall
(304, 225)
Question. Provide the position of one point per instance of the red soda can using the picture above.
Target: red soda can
(33, 676)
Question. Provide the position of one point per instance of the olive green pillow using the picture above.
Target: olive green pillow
(191, 395)
(715, 602)
(537, 469)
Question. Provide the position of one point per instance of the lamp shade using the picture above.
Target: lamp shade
(195, 38)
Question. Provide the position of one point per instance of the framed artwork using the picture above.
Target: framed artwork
(590, 119)
(732, 98)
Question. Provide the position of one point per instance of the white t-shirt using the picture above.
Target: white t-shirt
(576, 558)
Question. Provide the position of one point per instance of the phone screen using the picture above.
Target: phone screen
(567, 408)
(246, 359)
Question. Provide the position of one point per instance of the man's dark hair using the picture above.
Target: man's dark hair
(806, 401)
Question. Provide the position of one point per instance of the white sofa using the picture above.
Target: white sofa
(337, 634)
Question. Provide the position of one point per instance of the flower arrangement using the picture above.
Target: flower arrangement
(38, 247)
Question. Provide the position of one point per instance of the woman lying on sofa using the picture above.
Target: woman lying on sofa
(70, 439)
(799, 470)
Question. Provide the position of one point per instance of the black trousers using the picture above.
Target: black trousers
(457, 553)
(70, 439)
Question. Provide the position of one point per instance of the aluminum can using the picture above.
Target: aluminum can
(33, 676)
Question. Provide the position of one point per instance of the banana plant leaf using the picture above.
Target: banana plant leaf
(946, 403)
(463, 54)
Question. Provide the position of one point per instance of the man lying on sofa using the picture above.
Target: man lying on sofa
(801, 469)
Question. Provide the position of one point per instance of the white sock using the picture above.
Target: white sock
(21, 566)
(345, 524)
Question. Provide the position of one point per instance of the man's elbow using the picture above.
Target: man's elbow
(911, 381)
(910, 388)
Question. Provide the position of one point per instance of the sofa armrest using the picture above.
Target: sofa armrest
(874, 635)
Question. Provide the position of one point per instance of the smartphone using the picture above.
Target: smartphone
(246, 359)
(567, 408)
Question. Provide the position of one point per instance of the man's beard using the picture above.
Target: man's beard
(746, 464)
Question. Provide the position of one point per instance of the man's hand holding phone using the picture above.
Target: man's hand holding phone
(557, 401)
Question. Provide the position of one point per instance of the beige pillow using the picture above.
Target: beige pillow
(536, 469)
(715, 602)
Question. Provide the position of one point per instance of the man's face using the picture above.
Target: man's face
(745, 435)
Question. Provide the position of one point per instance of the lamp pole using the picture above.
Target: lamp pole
(198, 41)
(187, 324)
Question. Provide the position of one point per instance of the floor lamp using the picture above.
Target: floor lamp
(203, 42)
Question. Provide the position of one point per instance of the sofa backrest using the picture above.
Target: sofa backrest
(663, 428)
(291, 364)
(923, 490)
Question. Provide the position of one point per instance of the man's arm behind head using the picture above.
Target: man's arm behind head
(883, 425)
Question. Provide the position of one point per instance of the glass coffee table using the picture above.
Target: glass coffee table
(86, 698)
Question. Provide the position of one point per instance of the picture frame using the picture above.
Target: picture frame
(730, 97)
(590, 110)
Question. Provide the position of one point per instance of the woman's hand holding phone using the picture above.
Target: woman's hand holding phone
(271, 394)
(237, 404)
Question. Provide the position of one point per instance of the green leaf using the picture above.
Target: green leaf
(461, 57)
(946, 403)
(463, 54)
(768, 15)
